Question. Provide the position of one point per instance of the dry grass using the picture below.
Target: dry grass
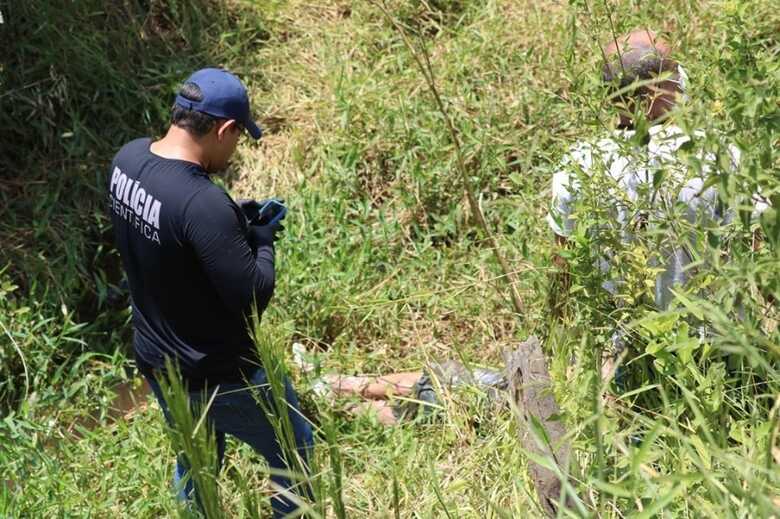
(380, 269)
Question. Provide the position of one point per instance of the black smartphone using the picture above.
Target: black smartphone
(271, 212)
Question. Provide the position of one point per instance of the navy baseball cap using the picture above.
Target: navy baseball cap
(224, 96)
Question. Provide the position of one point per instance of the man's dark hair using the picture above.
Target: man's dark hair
(636, 65)
(197, 123)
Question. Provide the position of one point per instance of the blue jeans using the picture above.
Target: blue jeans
(235, 411)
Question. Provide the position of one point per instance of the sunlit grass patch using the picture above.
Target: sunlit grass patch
(380, 268)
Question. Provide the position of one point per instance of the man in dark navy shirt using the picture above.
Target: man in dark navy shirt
(196, 267)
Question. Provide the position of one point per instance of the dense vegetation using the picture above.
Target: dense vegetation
(381, 267)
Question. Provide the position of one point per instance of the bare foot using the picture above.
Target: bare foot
(399, 384)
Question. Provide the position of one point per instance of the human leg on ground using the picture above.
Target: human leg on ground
(382, 409)
(374, 387)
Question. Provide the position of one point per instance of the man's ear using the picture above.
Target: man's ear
(224, 126)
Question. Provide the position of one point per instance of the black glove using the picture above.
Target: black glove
(250, 208)
(259, 235)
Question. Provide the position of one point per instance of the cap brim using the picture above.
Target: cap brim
(253, 129)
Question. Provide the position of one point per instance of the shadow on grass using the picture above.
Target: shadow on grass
(78, 80)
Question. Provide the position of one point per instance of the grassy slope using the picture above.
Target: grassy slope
(379, 266)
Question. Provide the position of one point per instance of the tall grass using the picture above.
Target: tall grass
(380, 269)
(298, 463)
(194, 440)
(78, 80)
(317, 477)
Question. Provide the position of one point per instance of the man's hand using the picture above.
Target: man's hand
(250, 208)
(259, 235)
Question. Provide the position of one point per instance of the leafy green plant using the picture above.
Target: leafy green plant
(193, 439)
(379, 269)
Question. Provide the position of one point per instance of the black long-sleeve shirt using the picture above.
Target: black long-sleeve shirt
(193, 276)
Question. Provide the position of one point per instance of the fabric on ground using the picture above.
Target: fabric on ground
(448, 373)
